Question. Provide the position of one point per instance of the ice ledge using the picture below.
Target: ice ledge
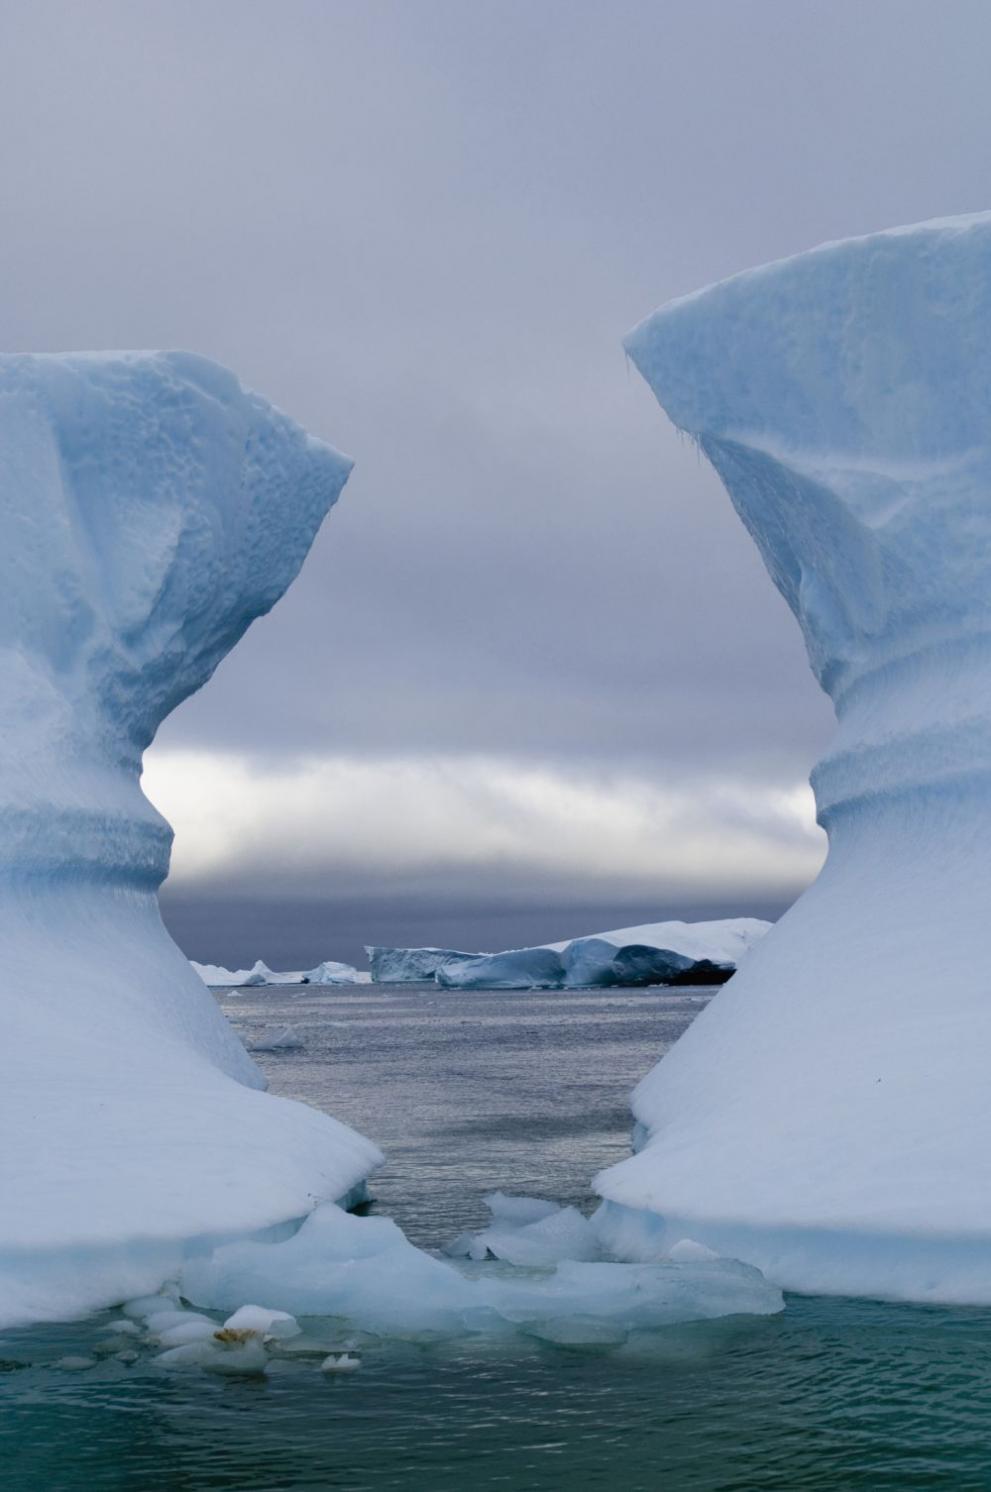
(934, 1267)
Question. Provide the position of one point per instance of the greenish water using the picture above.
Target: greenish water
(467, 1093)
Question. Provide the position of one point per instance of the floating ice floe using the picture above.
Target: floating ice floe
(277, 1039)
(366, 1271)
(655, 953)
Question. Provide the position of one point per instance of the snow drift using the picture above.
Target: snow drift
(151, 508)
(827, 1120)
(656, 953)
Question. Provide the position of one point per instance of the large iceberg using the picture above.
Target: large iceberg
(827, 1120)
(151, 508)
(408, 965)
(655, 953)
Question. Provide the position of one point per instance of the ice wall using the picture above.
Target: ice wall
(149, 510)
(827, 1117)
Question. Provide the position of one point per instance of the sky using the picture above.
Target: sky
(532, 680)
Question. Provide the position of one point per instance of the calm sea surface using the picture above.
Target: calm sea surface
(467, 1093)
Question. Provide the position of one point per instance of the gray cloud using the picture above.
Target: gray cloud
(423, 229)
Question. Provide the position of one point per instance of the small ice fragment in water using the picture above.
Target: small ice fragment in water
(76, 1364)
(268, 1323)
(196, 1329)
(122, 1325)
(340, 1362)
(234, 1352)
(278, 1039)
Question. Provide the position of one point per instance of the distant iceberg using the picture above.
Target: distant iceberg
(827, 1118)
(656, 953)
(215, 976)
(151, 508)
(409, 965)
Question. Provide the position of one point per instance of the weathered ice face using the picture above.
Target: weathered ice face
(152, 510)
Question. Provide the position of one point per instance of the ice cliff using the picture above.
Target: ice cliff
(655, 953)
(150, 509)
(827, 1117)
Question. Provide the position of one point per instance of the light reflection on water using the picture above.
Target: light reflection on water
(528, 1092)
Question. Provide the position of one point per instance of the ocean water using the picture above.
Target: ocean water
(469, 1092)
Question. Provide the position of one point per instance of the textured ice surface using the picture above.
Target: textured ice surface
(821, 1118)
(656, 953)
(409, 965)
(150, 509)
(365, 1270)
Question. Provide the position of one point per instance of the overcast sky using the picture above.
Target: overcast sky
(532, 673)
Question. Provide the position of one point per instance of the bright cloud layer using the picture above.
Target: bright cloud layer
(334, 820)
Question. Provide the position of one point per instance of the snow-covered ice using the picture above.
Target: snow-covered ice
(517, 968)
(259, 975)
(151, 508)
(331, 972)
(655, 953)
(826, 1118)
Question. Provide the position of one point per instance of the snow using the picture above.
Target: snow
(278, 1039)
(268, 1323)
(151, 508)
(528, 1231)
(825, 1118)
(655, 953)
(408, 965)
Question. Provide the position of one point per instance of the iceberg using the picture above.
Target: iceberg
(409, 965)
(517, 968)
(151, 508)
(331, 972)
(366, 1271)
(655, 953)
(826, 1120)
(215, 976)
